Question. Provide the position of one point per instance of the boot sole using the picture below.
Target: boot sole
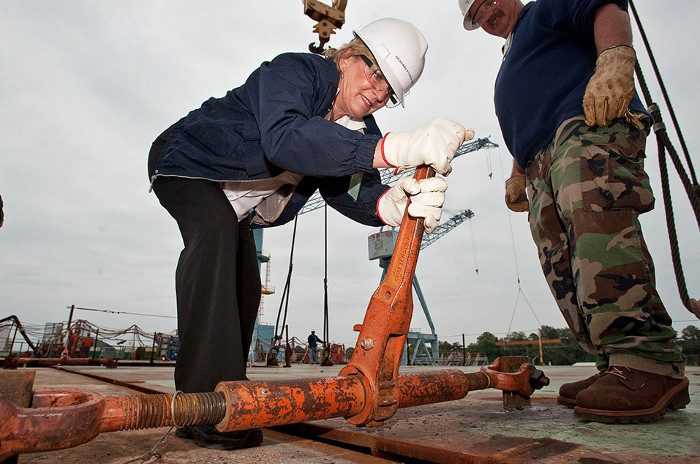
(568, 402)
(253, 438)
(674, 399)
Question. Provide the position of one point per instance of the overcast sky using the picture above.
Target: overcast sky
(87, 85)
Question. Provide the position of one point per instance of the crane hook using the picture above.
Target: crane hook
(329, 18)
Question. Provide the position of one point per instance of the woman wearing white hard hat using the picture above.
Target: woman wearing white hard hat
(252, 158)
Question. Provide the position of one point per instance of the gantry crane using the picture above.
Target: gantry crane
(381, 247)
(389, 177)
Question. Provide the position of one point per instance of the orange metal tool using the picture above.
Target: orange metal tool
(377, 356)
(368, 391)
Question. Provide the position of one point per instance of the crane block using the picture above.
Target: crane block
(328, 17)
(318, 11)
(324, 29)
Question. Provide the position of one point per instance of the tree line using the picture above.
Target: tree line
(565, 353)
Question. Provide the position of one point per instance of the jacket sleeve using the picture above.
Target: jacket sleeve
(362, 210)
(293, 88)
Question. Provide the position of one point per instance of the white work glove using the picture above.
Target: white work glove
(427, 197)
(433, 144)
(516, 198)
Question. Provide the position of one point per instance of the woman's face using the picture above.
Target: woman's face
(362, 89)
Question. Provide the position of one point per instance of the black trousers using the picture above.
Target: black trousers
(217, 282)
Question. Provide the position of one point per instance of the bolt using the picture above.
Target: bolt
(367, 344)
(538, 379)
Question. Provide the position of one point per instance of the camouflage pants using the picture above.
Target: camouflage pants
(586, 190)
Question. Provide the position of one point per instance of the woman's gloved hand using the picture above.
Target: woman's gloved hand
(427, 197)
(434, 144)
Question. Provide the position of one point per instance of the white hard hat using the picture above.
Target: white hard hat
(468, 22)
(399, 48)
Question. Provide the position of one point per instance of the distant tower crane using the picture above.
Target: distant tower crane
(389, 177)
(381, 247)
(387, 241)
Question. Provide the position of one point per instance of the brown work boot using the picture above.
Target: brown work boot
(207, 436)
(625, 395)
(568, 391)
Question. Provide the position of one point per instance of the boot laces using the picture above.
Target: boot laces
(618, 372)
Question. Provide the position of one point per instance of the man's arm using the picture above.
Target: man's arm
(611, 27)
(517, 170)
(610, 90)
(516, 198)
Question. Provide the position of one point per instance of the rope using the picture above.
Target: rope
(510, 226)
(284, 302)
(489, 167)
(326, 352)
(664, 144)
(663, 91)
(692, 189)
(476, 257)
(670, 220)
(515, 305)
(517, 270)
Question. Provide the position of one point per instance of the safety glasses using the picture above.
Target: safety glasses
(378, 81)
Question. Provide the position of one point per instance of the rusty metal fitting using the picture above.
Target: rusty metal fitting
(513, 375)
(63, 419)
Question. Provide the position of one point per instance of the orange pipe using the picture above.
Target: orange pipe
(265, 404)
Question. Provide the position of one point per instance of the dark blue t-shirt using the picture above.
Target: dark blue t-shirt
(545, 72)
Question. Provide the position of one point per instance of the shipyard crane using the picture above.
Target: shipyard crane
(381, 247)
(387, 240)
(390, 177)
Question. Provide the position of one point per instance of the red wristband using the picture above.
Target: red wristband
(383, 155)
(376, 207)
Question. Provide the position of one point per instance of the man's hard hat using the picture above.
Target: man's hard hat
(468, 21)
(399, 48)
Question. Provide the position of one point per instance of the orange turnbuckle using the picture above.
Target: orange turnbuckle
(368, 391)
(63, 419)
(383, 332)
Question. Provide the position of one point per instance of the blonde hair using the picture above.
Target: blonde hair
(355, 47)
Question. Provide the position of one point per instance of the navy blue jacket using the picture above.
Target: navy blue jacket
(276, 122)
(544, 74)
(313, 340)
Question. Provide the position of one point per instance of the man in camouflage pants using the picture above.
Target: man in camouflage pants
(570, 116)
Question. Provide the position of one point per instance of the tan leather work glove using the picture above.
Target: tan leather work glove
(516, 198)
(611, 87)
